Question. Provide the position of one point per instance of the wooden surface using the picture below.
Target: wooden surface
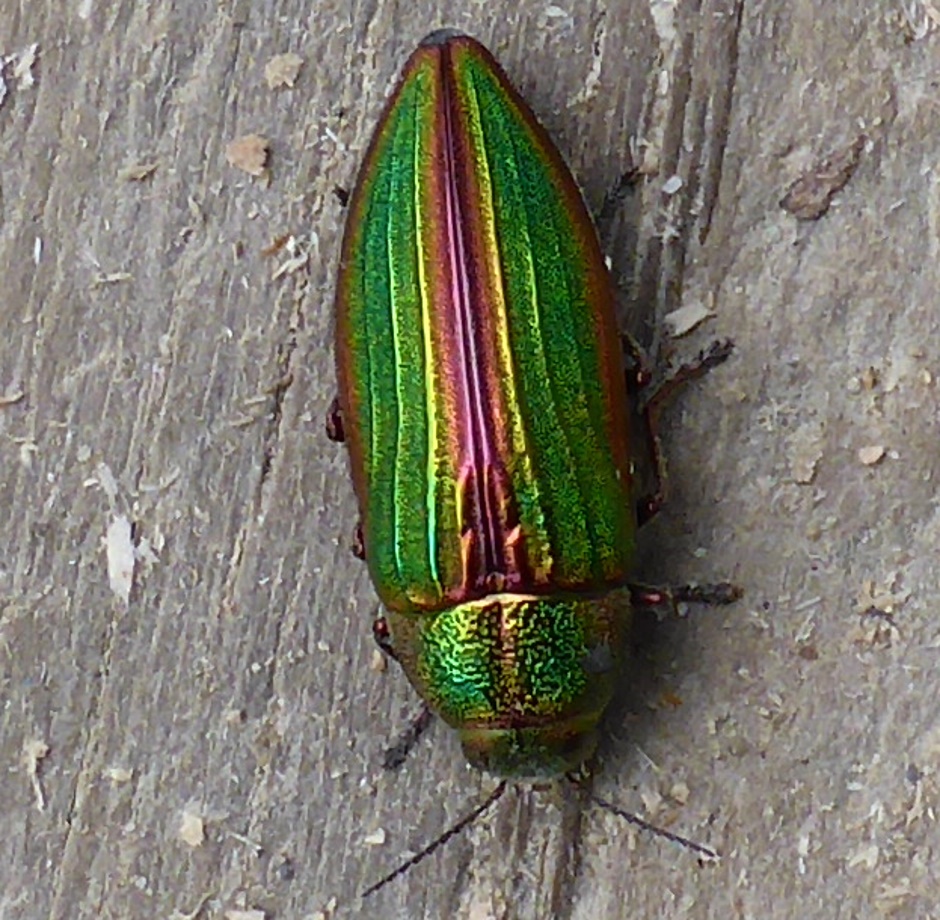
(211, 743)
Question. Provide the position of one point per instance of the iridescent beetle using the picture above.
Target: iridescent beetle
(482, 397)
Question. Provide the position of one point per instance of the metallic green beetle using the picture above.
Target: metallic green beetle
(482, 396)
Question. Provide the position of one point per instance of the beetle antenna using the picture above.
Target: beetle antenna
(451, 832)
(640, 823)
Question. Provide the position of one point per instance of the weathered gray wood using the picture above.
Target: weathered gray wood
(152, 347)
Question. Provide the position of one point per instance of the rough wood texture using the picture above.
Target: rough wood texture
(155, 369)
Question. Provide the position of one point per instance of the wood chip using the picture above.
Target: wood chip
(282, 70)
(685, 319)
(137, 172)
(192, 830)
(23, 63)
(277, 244)
(679, 792)
(9, 399)
(379, 662)
(249, 154)
(871, 454)
(119, 774)
(810, 196)
(34, 752)
(805, 453)
(110, 278)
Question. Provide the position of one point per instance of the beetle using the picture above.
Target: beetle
(482, 398)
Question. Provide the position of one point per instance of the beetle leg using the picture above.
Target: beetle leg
(717, 353)
(358, 545)
(334, 422)
(639, 377)
(724, 592)
(614, 199)
(383, 637)
(396, 755)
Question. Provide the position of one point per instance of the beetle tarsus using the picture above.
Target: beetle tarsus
(638, 366)
(715, 595)
(398, 753)
(334, 422)
(648, 506)
(615, 197)
(383, 637)
(717, 353)
(358, 545)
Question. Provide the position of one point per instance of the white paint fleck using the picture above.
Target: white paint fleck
(685, 319)
(119, 543)
(376, 838)
(672, 185)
